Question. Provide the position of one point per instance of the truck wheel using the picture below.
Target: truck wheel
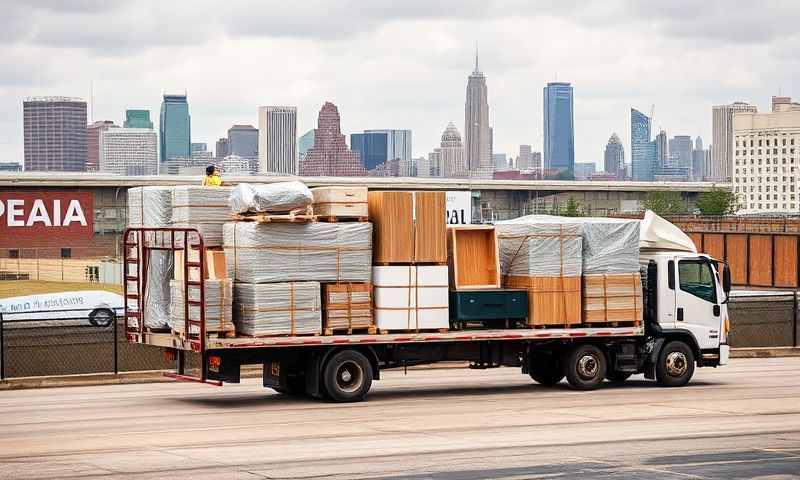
(585, 367)
(546, 369)
(675, 365)
(347, 376)
(616, 376)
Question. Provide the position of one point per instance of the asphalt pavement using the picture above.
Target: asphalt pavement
(739, 421)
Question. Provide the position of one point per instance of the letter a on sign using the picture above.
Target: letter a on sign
(74, 213)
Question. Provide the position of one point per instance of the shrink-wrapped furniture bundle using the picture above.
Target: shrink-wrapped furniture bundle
(346, 306)
(411, 297)
(612, 298)
(203, 208)
(270, 197)
(293, 252)
(218, 301)
(340, 201)
(545, 259)
(291, 308)
(152, 207)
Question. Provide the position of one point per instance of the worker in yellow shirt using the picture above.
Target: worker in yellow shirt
(212, 178)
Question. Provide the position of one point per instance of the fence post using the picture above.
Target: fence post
(116, 345)
(795, 325)
(2, 349)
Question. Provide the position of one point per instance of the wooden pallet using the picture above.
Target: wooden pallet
(224, 333)
(371, 330)
(301, 215)
(421, 330)
(341, 218)
(278, 335)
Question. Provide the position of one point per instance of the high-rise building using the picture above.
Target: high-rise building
(525, 158)
(93, 132)
(422, 166)
(223, 148)
(330, 156)
(137, 119)
(662, 150)
(175, 128)
(452, 163)
(643, 150)
(698, 160)
(680, 149)
(236, 165)
(766, 153)
(378, 146)
(54, 134)
(500, 162)
(614, 157)
(305, 142)
(434, 160)
(129, 151)
(477, 149)
(559, 127)
(277, 140)
(243, 141)
(584, 170)
(199, 147)
(537, 160)
(722, 131)
(10, 167)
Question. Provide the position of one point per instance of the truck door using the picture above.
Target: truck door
(697, 306)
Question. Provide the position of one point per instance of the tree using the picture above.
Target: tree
(664, 203)
(572, 208)
(717, 202)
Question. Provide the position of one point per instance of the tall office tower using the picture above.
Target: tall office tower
(662, 150)
(175, 128)
(305, 142)
(680, 148)
(93, 132)
(129, 151)
(54, 134)
(379, 146)
(765, 151)
(200, 152)
(614, 157)
(500, 162)
(584, 170)
(537, 160)
(198, 147)
(422, 167)
(243, 141)
(452, 162)
(559, 127)
(330, 156)
(277, 140)
(223, 148)
(434, 160)
(698, 160)
(643, 150)
(722, 138)
(137, 119)
(477, 151)
(525, 158)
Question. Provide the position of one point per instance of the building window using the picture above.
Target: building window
(13, 253)
(66, 253)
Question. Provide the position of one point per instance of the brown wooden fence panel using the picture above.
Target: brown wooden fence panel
(760, 260)
(785, 261)
(736, 256)
(697, 238)
(714, 244)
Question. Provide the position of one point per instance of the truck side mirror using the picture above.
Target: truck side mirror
(726, 279)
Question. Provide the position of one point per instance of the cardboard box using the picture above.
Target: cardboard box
(214, 267)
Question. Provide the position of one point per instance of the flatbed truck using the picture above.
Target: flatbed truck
(685, 325)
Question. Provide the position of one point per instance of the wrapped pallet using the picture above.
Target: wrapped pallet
(545, 259)
(337, 202)
(612, 298)
(203, 208)
(218, 302)
(347, 307)
(295, 252)
(269, 309)
(411, 297)
(269, 198)
(152, 207)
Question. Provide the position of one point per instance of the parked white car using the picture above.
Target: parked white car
(97, 307)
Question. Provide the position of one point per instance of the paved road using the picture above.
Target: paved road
(741, 421)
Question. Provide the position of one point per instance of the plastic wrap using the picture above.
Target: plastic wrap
(659, 234)
(270, 197)
(150, 206)
(539, 249)
(218, 305)
(277, 308)
(203, 208)
(347, 306)
(295, 252)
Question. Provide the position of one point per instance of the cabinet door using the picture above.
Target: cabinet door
(431, 232)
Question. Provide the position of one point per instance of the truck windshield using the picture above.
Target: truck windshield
(697, 279)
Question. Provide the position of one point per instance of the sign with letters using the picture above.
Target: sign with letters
(29, 216)
(459, 208)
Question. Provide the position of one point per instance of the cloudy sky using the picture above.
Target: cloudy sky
(401, 63)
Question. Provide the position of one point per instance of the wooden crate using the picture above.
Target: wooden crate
(347, 307)
(551, 300)
(408, 227)
(335, 202)
(612, 298)
(213, 268)
(473, 258)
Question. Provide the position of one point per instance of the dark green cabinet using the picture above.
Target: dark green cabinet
(493, 304)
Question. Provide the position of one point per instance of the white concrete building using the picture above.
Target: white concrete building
(766, 165)
(722, 139)
(452, 162)
(277, 140)
(129, 151)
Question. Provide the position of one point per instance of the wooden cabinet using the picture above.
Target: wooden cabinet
(408, 227)
(472, 255)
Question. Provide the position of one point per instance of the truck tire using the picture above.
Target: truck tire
(675, 365)
(347, 376)
(585, 367)
(546, 369)
(616, 376)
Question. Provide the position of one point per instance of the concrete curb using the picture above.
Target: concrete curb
(765, 352)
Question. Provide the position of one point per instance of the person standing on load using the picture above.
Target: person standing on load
(212, 178)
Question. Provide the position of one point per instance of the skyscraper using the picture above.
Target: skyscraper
(305, 142)
(500, 162)
(662, 150)
(129, 151)
(175, 130)
(525, 158)
(643, 150)
(614, 157)
(93, 132)
(477, 150)
(559, 127)
(330, 156)
(698, 160)
(452, 163)
(379, 146)
(722, 138)
(222, 148)
(54, 134)
(680, 148)
(277, 140)
(137, 119)
(243, 141)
